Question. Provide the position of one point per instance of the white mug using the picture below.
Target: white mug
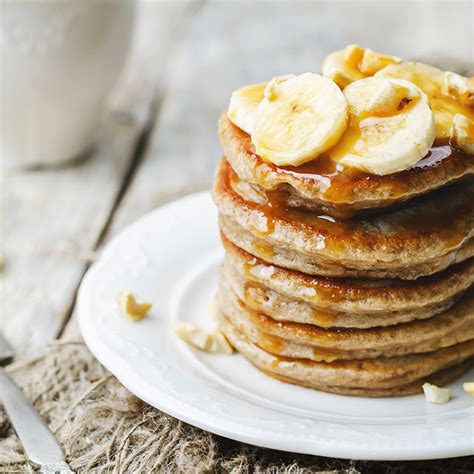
(59, 59)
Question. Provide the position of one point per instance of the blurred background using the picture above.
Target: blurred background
(155, 138)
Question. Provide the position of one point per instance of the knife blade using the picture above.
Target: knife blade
(40, 446)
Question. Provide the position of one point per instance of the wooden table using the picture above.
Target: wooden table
(158, 135)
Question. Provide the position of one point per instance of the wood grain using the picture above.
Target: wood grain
(53, 218)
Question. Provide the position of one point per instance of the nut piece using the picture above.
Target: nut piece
(223, 343)
(130, 307)
(212, 310)
(468, 387)
(195, 336)
(459, 87)
(436, 394)
(202, 339)
(462, 131)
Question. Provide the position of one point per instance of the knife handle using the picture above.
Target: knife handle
(39, 444)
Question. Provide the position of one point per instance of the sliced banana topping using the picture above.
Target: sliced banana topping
(336, 68)
(391, 126)
(397, 110)
(300, 118)
(459, 87)
(271, 88)
(462, 133)
(431, 81)
(354, 63)
(243, 105)
(372, 62)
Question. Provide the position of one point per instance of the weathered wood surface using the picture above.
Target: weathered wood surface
(194, 55)
(52, 219)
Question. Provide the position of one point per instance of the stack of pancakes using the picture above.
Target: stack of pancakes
(345, 281)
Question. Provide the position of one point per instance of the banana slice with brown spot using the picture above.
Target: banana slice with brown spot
(432, 81)
(354, 63)
(391, 126)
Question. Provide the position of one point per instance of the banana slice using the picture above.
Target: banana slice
(459, 87)
(462, 133)
(336, 68)
(243, 105)
(271, 88)
(431, 81)
(300, 118)
(391, 126)
(244, 102)
(354, 63)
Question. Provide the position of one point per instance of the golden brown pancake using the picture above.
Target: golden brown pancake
(421, 238)
(326, 187)
(288, 295)
(307, 341)
(379, 377)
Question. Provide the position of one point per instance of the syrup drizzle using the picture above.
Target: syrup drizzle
(337, 183)
(446, 215)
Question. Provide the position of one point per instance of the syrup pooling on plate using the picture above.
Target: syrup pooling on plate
(445, 215)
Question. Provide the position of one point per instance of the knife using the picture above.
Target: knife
(40, 446)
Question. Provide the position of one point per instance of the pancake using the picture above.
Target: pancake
(380, 377)
(327, 187)
(287, 295)
(421, 238)
(313, 342)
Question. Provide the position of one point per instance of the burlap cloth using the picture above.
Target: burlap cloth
(104, 428)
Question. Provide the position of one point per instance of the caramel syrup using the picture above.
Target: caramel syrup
(337, 183)
(276, 346)
(256, 297)
(317, 288)
(445, 214)
(340, 186)
(327, 339)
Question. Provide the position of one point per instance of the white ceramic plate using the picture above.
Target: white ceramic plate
(171, 257)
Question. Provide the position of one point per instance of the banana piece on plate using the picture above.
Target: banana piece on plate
(462, 133)
(391, 126)
(300, 118)
(354, 63)
(431, 81)
(243, 105)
